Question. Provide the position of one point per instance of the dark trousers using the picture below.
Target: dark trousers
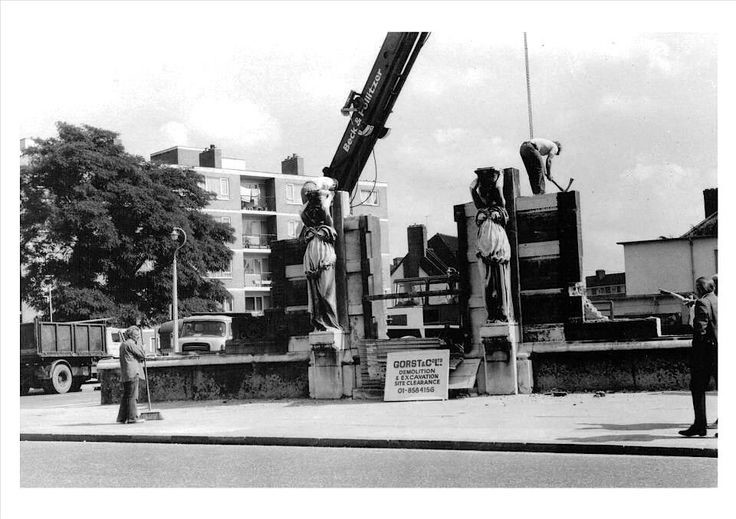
(129, 401)
(703, 366)
(535, 167)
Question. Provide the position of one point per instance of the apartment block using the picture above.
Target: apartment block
(261, 207)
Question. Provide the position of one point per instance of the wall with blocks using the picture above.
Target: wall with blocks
(360, 274)
(550, 258)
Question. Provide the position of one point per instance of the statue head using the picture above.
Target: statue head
(317, 187)
(488, 177)
(559, 146)
(704, 285)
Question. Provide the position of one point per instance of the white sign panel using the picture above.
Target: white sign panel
(417, 375)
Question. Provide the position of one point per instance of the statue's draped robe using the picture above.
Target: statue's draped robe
(319, 267)
(494, 255)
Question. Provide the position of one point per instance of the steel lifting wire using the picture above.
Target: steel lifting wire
(528, 88)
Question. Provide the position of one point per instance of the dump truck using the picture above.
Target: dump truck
(59, 357)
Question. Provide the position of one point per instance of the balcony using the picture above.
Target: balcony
(258, 241)
(257, 203)
(257, 280)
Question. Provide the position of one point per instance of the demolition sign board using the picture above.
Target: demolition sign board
(417, 375)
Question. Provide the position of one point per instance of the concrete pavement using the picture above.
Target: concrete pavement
(617, 423)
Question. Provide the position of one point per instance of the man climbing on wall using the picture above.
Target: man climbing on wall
(533, 153)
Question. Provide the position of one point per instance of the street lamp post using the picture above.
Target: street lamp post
(51, 306)
(177, 233)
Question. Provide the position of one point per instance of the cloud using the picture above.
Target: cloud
(622, 104)
(176, 132)
(658, 53)
(662, 173)
(450, 136)
(234, 121)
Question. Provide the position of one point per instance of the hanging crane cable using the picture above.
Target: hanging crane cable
(528, 88)
(529, 105)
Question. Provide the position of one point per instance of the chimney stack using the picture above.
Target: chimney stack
(710, 200)
(417, 246)
(211, 157)
(293, 165)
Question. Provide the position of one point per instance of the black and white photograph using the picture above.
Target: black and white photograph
(280, 248)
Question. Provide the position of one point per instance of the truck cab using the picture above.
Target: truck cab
(205, 334)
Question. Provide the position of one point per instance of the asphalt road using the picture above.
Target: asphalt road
(82, 465)
(37, 399)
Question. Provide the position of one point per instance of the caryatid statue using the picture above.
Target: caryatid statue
(493, 248)
(320, 258)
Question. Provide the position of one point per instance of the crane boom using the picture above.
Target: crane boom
(370, 109)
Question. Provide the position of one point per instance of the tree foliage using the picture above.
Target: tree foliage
(93, 215)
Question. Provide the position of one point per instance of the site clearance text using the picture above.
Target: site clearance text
(417, 375)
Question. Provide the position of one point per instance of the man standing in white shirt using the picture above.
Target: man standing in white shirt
(533, 153)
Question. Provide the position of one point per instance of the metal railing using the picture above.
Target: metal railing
(257, 280)
(258, 241)
(257, 203)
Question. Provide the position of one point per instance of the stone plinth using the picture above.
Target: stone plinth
(329, 338)
(326, 364)
(524, 373)
(499, 375)
(213, 377)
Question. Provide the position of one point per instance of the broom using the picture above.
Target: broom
(149, 415)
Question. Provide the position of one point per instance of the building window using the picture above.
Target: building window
(254, 227)
(368, 197)
(257, 304)
(293, 224)
(225, 219)
(252, 196)
(290, 193)
(608, 290)
(256, 235)
(219, 186)
(227, 304)
(255, 265)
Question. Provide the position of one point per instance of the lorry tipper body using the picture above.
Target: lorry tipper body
(59, 357)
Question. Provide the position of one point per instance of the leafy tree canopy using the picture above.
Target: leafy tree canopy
(96, 226)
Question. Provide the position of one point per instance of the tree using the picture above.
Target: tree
(93, 215)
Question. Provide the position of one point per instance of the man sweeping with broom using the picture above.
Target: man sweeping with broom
(131, 356)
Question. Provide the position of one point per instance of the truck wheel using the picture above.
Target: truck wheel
(77, 384)
(61, 379)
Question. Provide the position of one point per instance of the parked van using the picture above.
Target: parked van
(115, 339)
(197, 334)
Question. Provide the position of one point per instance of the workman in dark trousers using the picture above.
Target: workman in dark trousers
(704, 352)
(537, 155)
(131, 356)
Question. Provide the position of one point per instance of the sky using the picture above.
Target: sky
(636, 111)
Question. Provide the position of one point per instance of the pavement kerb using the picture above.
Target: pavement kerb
(460, 445)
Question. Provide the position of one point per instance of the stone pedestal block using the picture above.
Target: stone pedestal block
(500, 343)
(325, 365)
(524, 373)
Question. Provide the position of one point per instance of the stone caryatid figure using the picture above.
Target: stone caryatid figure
(493, 248)
(319, 258)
